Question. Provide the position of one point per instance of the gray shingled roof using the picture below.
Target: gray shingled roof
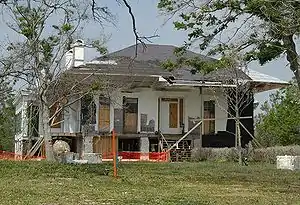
(152, 52)
(154, 55)
(226, 74)
(148, 62)
(123, 65)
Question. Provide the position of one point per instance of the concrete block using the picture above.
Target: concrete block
(76, 161)
(288, 162)
(66, 157)
(144, 148)
(92, 158)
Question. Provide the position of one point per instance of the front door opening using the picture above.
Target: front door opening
(171, 115)
(130, 108)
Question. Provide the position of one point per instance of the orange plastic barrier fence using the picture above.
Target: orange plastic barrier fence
(4, 155)
(138, 156)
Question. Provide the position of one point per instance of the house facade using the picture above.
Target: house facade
(150, 108)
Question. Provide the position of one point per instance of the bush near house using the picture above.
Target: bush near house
(257, 155)
(279, 122)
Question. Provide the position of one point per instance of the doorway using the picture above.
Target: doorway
(130, 110)
(171, 115)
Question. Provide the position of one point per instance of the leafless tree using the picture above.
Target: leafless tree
(234, 95)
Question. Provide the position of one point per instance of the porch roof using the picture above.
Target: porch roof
(263, 82)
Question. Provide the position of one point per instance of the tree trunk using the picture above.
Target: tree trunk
(237, 122)
(239, 141)
(292, 57)
(47, 132)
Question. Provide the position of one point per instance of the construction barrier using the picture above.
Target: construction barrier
(137, 156)
(122, 156)
(4, 155)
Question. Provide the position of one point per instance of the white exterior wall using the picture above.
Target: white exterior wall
(148, 104)
(71, 117)
(21, 107)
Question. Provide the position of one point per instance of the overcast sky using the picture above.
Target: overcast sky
(149, 21)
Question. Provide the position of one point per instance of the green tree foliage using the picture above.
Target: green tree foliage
(7, 131)
(279, 124)
(260, 29)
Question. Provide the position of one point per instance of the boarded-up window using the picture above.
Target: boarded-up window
(104, 117)
(209, 114)
(104, 114)
(173, 115)
(56, 120)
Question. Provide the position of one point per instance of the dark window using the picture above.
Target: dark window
(33, 120)
(88, 110)
(19, 122)
(209, 115)
(131, 105)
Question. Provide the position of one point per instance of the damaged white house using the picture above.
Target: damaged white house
(149, 107)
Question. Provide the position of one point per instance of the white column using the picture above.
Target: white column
(144, 148)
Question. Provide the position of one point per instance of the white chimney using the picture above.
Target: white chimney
(78, 47)
(75, 56)
(69, 59)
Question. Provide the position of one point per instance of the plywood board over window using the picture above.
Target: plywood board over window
(104, 114)
(173, 115)
(130, 107)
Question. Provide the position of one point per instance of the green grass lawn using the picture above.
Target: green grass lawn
(147, 183)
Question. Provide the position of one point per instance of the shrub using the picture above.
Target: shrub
(214, 154)
(269, 154)
(257, 155)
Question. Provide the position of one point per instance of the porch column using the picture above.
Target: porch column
(144, 148)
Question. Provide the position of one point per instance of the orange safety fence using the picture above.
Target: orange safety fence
(137, 156)
(122, 156)
(4, 155)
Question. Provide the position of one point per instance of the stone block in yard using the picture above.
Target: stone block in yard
(66, 157)
(288, 162)
(92, 158)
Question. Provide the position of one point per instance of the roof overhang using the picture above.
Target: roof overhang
(262, 82)
(259, 87)
(200, 84)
